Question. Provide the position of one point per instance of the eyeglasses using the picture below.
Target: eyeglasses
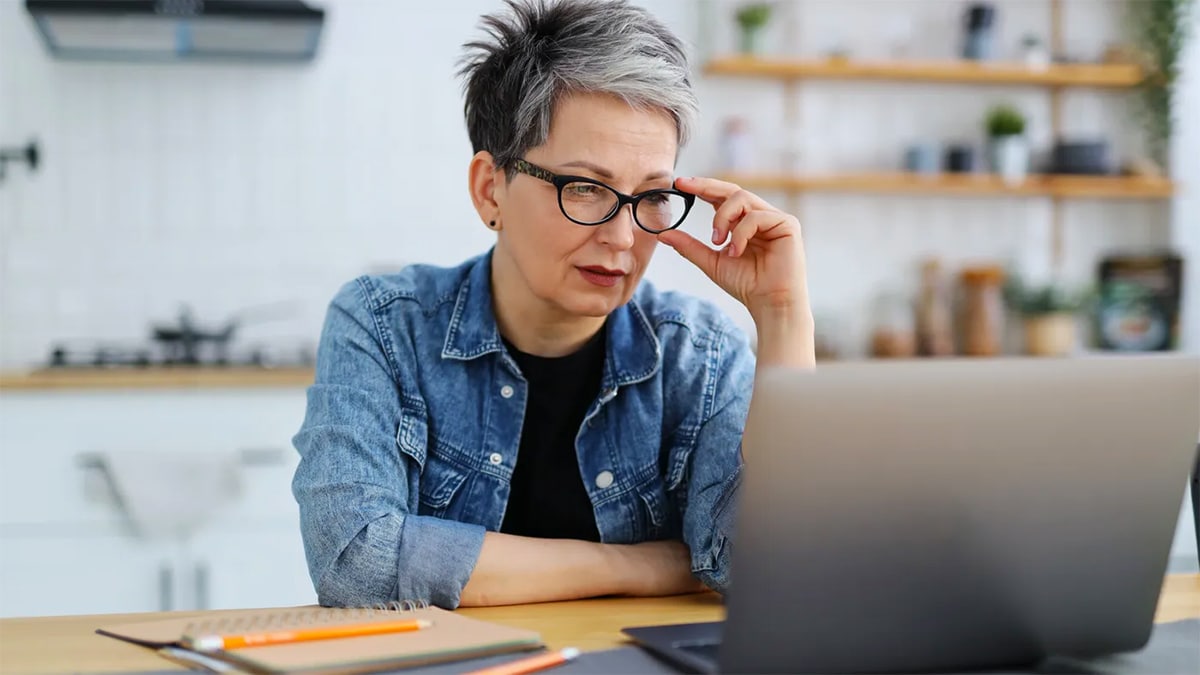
(587, 201)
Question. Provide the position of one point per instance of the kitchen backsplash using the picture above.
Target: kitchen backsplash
(232, 186)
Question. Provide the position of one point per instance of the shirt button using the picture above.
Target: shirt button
(604, 479)
(506, 391)
(496, 458)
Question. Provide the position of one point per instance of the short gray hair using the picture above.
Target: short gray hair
(539, 52)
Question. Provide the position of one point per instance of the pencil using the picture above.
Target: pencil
(209, 643)
(531, 664)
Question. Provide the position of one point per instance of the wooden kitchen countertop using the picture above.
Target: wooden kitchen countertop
(156, 378)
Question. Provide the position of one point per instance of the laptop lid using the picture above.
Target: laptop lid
(956, 514)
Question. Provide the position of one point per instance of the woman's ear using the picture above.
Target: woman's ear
(486, 185)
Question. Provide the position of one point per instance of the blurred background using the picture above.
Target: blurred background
(181, 195)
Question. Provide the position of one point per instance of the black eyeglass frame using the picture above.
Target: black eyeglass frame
(560, 181)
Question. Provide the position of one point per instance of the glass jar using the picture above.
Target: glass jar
(894, 335)
(982, 312)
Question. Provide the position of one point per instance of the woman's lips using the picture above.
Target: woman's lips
(601, 276)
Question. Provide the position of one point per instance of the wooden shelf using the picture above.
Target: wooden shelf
(1067, 187)
(1112, 75)
(156, 378)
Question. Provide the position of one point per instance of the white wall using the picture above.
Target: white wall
(1185, 148)
(229, 186)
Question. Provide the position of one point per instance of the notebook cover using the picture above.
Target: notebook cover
(167, 632)
(452, 637)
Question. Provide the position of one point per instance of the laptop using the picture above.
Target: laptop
(950, 515)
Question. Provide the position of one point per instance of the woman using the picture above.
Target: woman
(538, 423)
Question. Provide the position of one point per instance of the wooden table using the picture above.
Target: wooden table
(68, 644)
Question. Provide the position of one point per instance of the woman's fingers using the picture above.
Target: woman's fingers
(730, 201)
(762, 224)
(715, 191)
(711, 190)
(737, 207)
(729, 214)
(693, 250)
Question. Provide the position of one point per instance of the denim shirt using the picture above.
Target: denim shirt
(414, 420)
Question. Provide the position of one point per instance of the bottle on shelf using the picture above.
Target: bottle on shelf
(736, 145)
(935, 329)
(982, 313)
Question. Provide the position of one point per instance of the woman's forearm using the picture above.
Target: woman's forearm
(516, 570)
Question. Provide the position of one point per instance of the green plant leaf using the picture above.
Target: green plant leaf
(1005, 120)
(1160, 30)
(1046, 298)
(754, 15)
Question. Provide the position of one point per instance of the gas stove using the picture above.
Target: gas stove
(184, 343)
(98, 355)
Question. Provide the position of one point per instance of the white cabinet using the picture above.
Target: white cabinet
(96, 574)
(67, 546)
(83, 574)
(250, 567)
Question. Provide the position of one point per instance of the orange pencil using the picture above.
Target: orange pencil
(531, 664)
(209, 643)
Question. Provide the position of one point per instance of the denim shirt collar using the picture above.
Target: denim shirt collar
(633, 353)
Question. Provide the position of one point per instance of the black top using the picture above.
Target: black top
(548, 498)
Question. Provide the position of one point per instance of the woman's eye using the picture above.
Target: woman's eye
(582, 189)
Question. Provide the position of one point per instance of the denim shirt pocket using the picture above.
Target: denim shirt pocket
(440, 479)
(678, 455)
(654, 521)
(440, 482)
(412, 436)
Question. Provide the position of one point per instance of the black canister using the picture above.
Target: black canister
(960, 159)
(981, 15)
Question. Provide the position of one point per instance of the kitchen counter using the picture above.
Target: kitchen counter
(156, 378)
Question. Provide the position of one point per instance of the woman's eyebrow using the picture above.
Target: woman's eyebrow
(608, 175)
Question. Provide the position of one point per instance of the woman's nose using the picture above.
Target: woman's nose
(618, 230)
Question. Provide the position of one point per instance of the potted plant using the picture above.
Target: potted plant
(1162, 29)
(1007, 145)
(752, 18)
(1048, 314)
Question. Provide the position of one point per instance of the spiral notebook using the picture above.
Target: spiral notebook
(452, 637)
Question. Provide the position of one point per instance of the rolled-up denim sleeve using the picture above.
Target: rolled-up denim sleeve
(715, 465)
(357, 491)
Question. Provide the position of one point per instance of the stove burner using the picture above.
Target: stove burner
(184, 343)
